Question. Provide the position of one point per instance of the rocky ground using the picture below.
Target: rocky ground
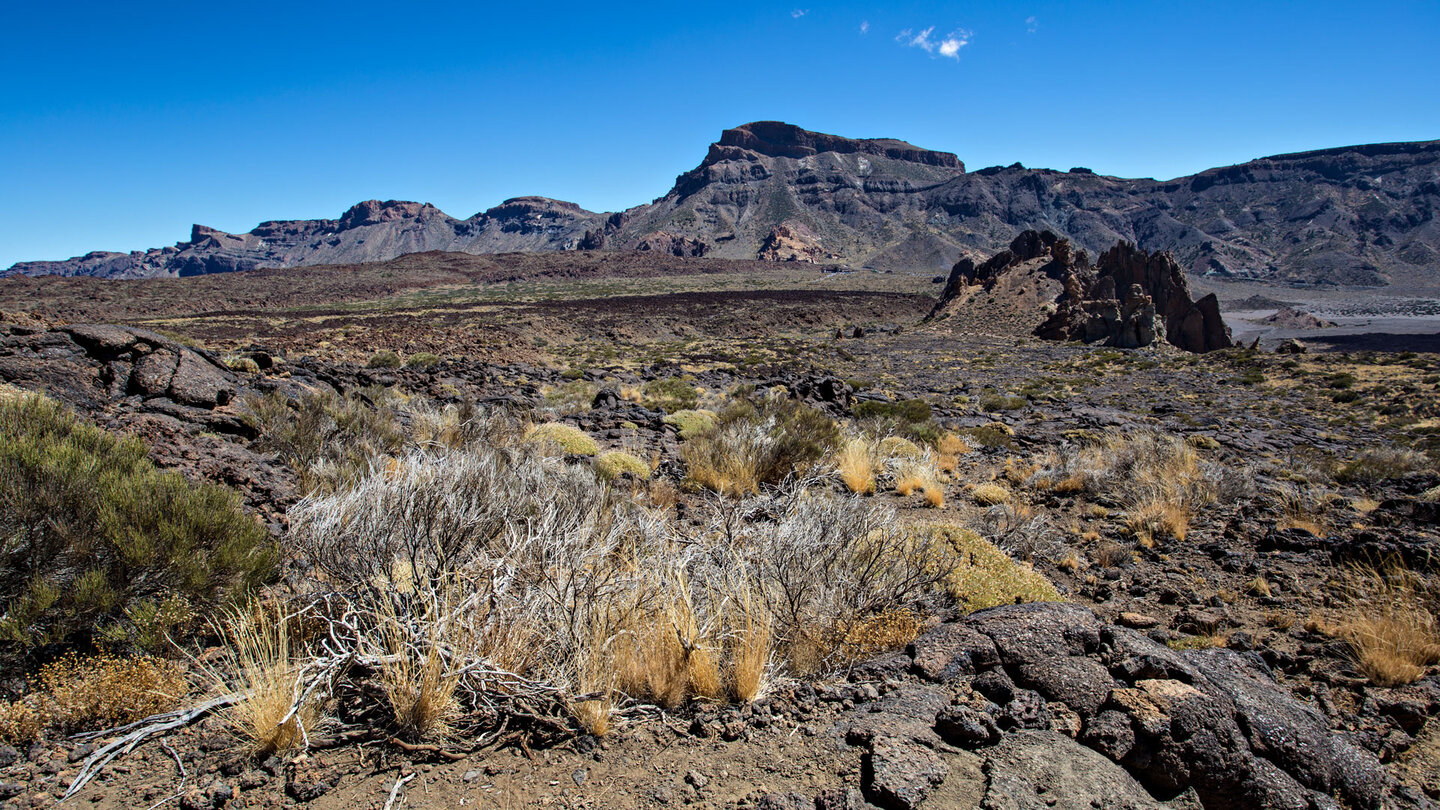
(1170, 677)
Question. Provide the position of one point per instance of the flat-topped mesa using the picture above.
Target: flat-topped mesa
(524, 206)
(778, 139)
(375, 212)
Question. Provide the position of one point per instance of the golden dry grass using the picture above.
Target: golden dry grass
(418, 684)
(1390, 624)
(750, 648)
(261, 661)
(857, 464)
(989, 494)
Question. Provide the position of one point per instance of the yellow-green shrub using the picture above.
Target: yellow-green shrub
(691, 423)
(568, 438)
(614, 463)
(985, 576)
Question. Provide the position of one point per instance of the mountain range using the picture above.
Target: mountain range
(1358, 215)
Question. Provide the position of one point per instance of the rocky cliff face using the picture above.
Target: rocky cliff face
(1363, 215)
(1129, 299)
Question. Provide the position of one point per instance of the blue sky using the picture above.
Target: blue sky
(121, 124)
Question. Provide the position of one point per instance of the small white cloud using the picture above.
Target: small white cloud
(948, 45)
(1030, 25)
(799, 12)
(865, 27)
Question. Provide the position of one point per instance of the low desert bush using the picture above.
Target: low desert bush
(1162, 480)
(906, 411)
(20, 724)
(754, 443)
(327, 439)
(691, 423)
(989, 494)
(984, 576)
(384, 359)
(572, 397)
(614, 463)
(79, 693)
(567, 439)
(670, 394)
(604, 600)
(97, 538)
(1381, 463)
(1301, 508)
(244, 365)
(995, 434)
(897, 447)
(422, 360)
(994, 401)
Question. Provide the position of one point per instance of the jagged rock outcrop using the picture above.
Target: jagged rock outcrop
(671, 244)
(1128, 298)
(791, 243)
(1354, 215)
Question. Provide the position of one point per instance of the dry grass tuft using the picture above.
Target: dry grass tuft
(750, 648)
(1154, 518)
(418, 683)
(952, 445)
(857, 465)
(1391, 624)
(261, 658)
(989, 494)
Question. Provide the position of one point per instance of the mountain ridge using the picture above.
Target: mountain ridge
(1359, 215)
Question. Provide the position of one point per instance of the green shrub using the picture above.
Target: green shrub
(99, 541)
(1345, 396)
(572, 374)
(327, 439)
(994, 401)
(670, 394)
(385, 359)
(759, 442)
(691, 423)
(611, 465)
(906, 411)
(569, 439)
(994, 434)
(422, 360)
